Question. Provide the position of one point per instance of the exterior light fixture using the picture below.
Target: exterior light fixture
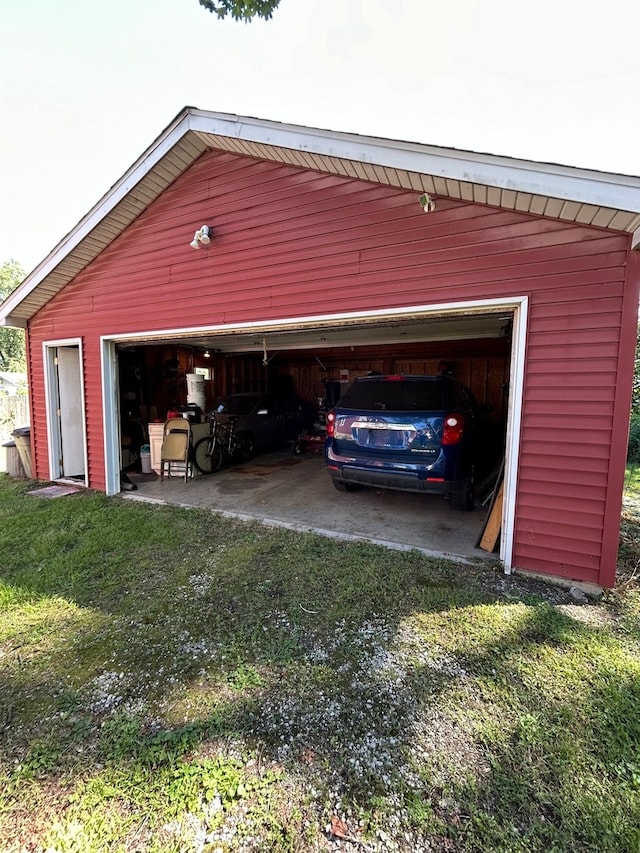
(202, 236)
(206, 354)
(427, 203)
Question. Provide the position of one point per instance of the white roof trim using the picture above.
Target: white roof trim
(601, 189)
(619, 195)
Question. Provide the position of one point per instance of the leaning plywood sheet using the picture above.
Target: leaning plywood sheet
(494, 521)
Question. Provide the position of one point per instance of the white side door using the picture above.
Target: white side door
(65, 411)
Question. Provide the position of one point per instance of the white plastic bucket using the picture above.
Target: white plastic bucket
(195, 390)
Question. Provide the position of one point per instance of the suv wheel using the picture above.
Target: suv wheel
(342, 486)
(247, 445)
(463, 500)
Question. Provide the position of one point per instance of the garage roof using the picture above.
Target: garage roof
(573, 195)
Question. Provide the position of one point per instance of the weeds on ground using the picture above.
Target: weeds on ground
(629, 552)
(625, 598)
(175, 681)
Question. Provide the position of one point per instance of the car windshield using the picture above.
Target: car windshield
(399, 396)
(237, 404)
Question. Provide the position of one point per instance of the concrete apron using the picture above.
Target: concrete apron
(296, 492)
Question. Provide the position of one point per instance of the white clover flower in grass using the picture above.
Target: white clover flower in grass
(187, 646)
(354, 723)
(200, 584)
(409, 645)
(105, 692)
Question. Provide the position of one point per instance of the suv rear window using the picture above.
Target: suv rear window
(398, 395)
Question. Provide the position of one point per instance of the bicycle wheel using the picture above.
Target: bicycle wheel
(235, 448)
(207, 455)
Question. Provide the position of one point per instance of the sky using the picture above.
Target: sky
(86, 87)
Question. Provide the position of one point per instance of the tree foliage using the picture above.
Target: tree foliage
(241, 10)
(12, 352)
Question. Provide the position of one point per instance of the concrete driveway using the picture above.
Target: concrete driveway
(296, 492)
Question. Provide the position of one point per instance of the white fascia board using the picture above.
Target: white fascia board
(602, 189)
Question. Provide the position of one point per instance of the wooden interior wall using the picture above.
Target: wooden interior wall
(482, 365)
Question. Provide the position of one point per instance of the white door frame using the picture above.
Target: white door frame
(518, 305)
(51, 393)
(111, 415)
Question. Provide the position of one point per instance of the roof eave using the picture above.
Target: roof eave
(12, 322)
(601, 190)
(586, 186)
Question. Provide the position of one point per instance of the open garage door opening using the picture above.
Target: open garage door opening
(190, 374)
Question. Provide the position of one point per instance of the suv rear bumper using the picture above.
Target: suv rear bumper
(404, 481)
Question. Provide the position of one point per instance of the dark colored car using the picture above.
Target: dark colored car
(410, 433)
(264, 420)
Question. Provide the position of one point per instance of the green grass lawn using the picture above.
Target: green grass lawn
(172, 680)
(632, 481)
(629, 550)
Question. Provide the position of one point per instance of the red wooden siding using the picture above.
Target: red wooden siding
(292, 243)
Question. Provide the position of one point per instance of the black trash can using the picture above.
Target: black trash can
(22, 438)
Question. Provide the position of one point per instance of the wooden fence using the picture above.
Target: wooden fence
(14, 412)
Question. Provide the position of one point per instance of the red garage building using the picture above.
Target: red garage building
(345, 254)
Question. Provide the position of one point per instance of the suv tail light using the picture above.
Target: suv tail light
(331, 423)
(453, 429)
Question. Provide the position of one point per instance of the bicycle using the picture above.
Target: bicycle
(222, 443)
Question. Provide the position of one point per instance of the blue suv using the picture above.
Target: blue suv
(410, 433)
